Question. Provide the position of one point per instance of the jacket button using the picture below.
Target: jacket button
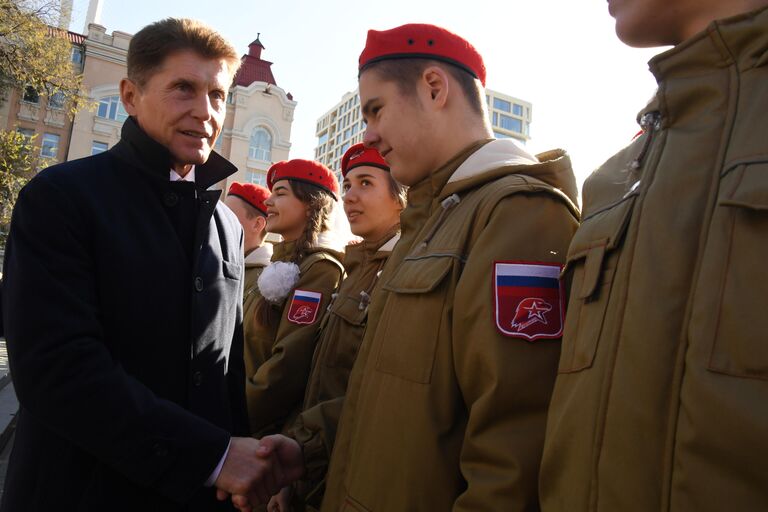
(171, 199)
(197, 379)
(160, 450)
(199, 283)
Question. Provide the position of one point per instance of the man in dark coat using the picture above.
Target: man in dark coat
(123, 280)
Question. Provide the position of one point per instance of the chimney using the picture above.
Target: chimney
(65, 14)
(94, 14)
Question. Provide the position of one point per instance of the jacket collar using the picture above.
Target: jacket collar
(139, 148)
(260, 256)
(740, 40)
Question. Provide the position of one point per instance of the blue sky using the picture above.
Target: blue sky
(562, 55)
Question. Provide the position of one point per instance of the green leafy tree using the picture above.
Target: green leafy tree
(19, 161)
(35, 54)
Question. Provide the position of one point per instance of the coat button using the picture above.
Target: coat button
(160, 450)
(197, 379)
(199, 283)
(171, 199)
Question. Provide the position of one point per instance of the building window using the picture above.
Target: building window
(323, 139)
(257, 178)
(28, 133)
(261, 145)
(31, 95)
(518, 110)
(112, 108)
(98, 147)
(500, 135)
(230, 98)
(77, 55)
(502, 105)
(50, 147)
(510, 123)
(56, 100)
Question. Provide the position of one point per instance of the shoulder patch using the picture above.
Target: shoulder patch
(529, 299)
(304, 306)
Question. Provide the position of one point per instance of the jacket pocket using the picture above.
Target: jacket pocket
(592, 259)
(740, 345)
(352, 505)
(412, 319)
(342, 347)
(231, 270)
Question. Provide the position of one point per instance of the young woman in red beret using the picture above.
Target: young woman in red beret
(373, 201)
(295, 290)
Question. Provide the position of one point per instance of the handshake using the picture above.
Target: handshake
(255, 470)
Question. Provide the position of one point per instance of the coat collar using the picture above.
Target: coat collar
(139, 148)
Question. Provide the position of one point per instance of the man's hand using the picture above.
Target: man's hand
(282, 455)
(281, 502)
(250, 472)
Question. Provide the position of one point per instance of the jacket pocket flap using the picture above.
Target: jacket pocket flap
(232, 270)
(599, 233)
(349, 309)
(752, 191)
(419, 275)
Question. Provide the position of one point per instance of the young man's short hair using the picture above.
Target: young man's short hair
(397, 191)
(405, 73)
(154, 43)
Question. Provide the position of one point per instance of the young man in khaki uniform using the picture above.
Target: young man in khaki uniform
(661, 401)
(246, 200)
(447, 400)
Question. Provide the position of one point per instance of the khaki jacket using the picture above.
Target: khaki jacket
(275, 389)
(342, 332)
(662, 399)
(255, 262)
(443, 411)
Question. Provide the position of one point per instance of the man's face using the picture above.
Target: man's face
(370, 207)
(182, 105)
(398, 126)
(646, 23)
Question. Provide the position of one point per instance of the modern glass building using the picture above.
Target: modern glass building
(342, 126)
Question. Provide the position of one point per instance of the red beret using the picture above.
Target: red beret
(254, 195)
(307, 171)
(358, 155)
(419, 41)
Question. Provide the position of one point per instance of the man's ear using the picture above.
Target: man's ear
(435, 85)
(260, 223)
(129, 95)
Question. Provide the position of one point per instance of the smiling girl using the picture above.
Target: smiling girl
(296, 289)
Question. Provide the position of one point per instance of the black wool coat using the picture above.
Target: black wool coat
(123, 315)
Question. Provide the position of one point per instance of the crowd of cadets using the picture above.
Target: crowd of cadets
(457, 337)
(421, 367)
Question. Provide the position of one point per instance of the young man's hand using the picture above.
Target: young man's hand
(255, 470)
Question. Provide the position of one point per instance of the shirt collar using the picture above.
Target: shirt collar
(189, 177)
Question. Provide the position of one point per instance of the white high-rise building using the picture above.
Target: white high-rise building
(342, 126)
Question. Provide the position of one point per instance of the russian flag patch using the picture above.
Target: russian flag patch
(304, 306)
(529, 300)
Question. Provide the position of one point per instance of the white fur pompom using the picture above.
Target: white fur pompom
(277, 280)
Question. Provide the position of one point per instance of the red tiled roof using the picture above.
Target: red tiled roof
(254, 69)
(73, 37)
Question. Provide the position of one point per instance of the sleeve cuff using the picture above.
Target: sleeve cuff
(215, 475)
